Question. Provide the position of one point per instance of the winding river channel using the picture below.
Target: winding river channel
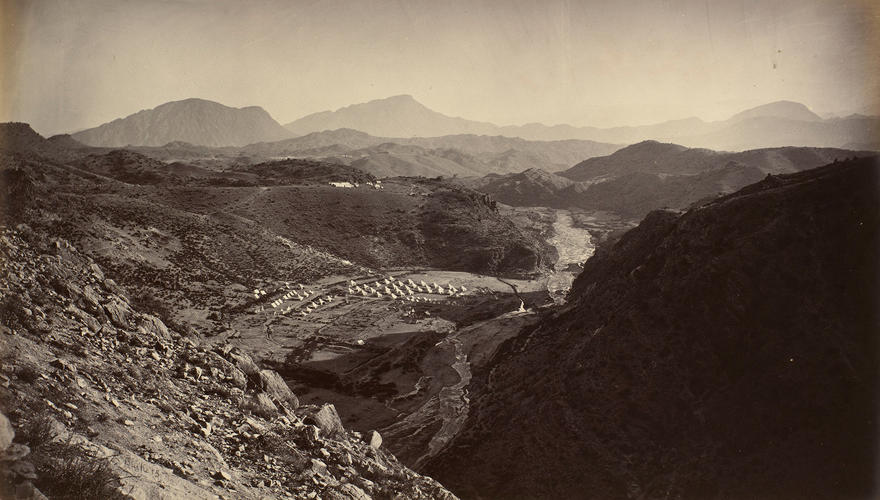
(476, 344)
(574, 246)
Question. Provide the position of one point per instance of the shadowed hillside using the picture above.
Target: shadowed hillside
(650, 175)
(672, 159)
(729, 352)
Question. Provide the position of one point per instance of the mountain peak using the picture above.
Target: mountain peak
(197, 121)
(400, 97)
(650, 146)
(780, 109)
(395, 116)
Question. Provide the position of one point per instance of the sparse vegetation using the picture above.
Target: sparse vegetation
(69, 472)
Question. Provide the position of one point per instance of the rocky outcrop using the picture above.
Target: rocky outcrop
(272, 383)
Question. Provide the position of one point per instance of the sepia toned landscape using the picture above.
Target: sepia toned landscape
(487, 250)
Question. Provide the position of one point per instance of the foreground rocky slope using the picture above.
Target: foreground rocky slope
(728, 352)
(106, 401)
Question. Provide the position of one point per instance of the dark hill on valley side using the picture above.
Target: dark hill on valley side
(728, 352)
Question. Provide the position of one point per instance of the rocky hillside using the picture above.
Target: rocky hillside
(727, 352)
(106, 401)
(196, 121)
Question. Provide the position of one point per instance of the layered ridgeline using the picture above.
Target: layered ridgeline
(195, 121)
(651, 175)
(449, 155)
(729, 352)
(174, 230)
(782, 123)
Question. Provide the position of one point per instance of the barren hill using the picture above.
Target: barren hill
(196, 121)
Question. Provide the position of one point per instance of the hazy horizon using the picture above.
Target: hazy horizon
(76, 64)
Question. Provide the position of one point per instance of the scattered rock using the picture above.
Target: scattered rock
(62, 364)
(119, 312)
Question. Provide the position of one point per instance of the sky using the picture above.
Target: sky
(66, 65)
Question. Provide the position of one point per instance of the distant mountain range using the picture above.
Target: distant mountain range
(197, 121)
(651, 175)
(207, 123)
(782, 123)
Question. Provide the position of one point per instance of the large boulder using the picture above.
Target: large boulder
(272, 383)
(119, 312)
(237, 378)
(246, 364)
(154, 326)
(262, 405)
(325, 418)
(375, 440)
(91, 299)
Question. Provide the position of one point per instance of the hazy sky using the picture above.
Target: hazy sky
(68, 65)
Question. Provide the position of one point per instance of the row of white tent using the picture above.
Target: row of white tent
(394, 288)
(295, 291)
(311, 306)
